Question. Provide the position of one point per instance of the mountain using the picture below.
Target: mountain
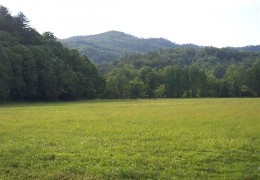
(113, 45)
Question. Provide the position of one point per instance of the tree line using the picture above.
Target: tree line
(38, 67)
(188, 81)
(184, 72)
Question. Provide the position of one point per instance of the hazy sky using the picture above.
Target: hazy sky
(204, 22)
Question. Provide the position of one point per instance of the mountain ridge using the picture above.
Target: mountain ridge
(113, 45)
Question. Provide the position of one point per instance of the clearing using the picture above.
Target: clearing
(131, 139)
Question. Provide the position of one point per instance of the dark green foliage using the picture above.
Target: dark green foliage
(253, 78)
(251, 48)
(189, 72)
(151, 83)
(37, 67)
(207, 58)
(136, 88)
(5, 74)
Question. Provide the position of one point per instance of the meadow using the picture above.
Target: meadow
(131, 139)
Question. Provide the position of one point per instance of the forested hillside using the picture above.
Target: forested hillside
(251, 48)
(113, 45)
(205, 58)
(184, 72)
(38, 67)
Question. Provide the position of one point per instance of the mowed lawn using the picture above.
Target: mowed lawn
(131, 139)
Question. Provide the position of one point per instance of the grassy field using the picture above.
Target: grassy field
(131, 139)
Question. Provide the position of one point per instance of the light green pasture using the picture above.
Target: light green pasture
(131, 139)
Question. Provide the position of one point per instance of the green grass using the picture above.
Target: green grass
(131, 139)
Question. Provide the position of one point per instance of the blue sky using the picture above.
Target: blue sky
(217, 23)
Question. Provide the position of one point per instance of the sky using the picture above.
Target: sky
(218, 23)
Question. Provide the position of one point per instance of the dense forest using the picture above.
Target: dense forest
(38, 67)
(184, 72)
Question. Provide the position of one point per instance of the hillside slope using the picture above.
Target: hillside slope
(209, 59)
(113, 45)
(37, 67)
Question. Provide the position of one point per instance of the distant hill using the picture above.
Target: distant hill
(210, 59)
(251, 48)
(113, 45)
